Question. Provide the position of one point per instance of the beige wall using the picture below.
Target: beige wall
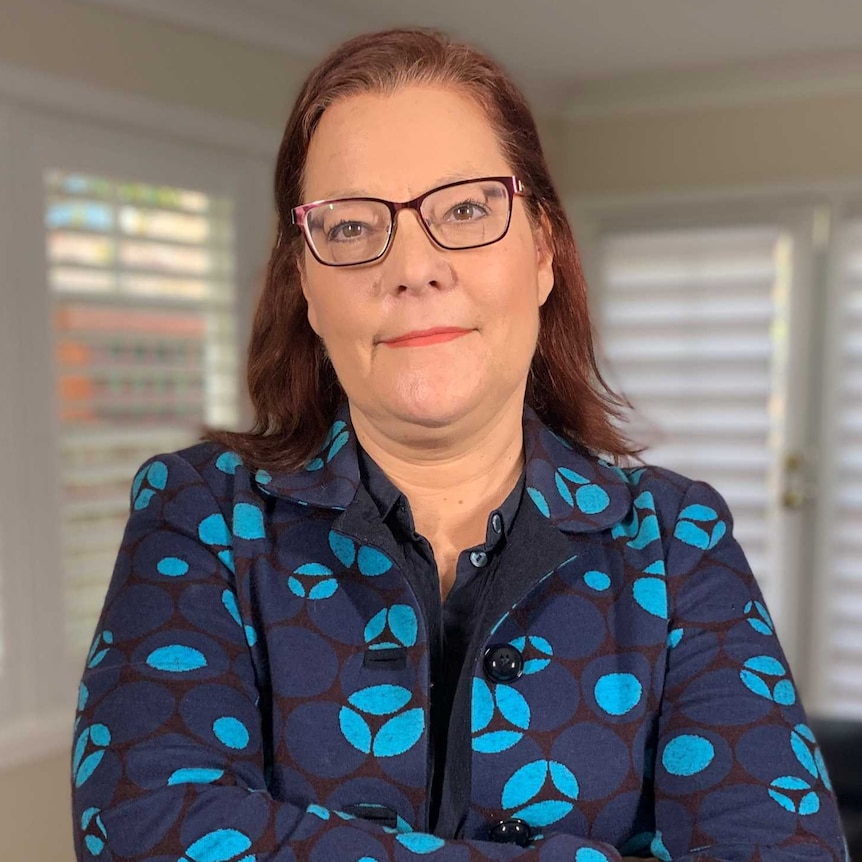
(136, 55)
(35, 817)
(790, 141)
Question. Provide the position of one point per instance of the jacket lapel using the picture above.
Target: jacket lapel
(573, 490)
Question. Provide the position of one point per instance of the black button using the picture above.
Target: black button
(511, 831)
(478, 559)
(497, 523)
(503, 663)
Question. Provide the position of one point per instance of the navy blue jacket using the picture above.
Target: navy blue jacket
(258, 687)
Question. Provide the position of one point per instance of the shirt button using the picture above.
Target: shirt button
(497, 523)
(479, 559)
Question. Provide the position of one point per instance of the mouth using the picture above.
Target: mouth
(421, 338)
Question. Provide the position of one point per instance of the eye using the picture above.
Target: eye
(345, 230)
(467, 211)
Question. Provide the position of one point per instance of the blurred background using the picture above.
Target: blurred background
(709, 156)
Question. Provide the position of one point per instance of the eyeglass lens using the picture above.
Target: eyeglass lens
(460, 216)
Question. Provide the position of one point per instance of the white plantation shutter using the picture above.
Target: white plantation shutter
(131, 250)
(839, 584)
(688, 324)
(142, 284)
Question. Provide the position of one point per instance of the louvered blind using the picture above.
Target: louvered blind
(142, 281)
(688, 323)
(841, 585)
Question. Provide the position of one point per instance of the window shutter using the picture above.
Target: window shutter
(688, 325)
(840, 585)
(142, 281)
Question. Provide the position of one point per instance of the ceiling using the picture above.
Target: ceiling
(558, 49)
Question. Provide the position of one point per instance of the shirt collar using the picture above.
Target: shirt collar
(575, 490)
(391, 501)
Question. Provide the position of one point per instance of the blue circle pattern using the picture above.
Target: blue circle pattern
(231, 732)
(402, 625)
(528, 782)
(511, 706)
(687, 754)
(590, 499)
(807, 752)
(94, 739)
(334, 443)
(156, 476)
(536, 644)
(380, 720)
(618, 693)
(314, 580)
(795, 795)
(757, 674)
(700, 527)
(101, 646)
(397, 735)
(598, 581)
(759, 618)
(220, 845)
(91, 821)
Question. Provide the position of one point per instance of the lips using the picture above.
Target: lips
(427, 334)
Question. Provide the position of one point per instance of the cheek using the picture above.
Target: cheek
(343, 323)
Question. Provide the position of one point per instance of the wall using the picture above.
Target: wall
(787, 141)
(136, 55)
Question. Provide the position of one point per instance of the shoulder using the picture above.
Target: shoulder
(208, 467)
(675, 497)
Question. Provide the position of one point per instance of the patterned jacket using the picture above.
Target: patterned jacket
(258, 686)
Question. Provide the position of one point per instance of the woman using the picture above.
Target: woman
(413, 614)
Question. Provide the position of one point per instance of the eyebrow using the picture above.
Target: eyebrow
(452, 177)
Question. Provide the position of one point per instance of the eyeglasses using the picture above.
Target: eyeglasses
(459, 215)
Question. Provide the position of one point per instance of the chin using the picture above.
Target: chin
(433, 406)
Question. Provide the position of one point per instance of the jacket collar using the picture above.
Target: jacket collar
(576, 491)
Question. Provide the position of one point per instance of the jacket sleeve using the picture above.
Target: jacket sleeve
(169, 758)
(738, 773)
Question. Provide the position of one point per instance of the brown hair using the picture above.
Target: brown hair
(292, 384)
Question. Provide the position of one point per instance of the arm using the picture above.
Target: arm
(168, 760)
(738, 773)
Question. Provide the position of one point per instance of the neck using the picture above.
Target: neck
(452, 476)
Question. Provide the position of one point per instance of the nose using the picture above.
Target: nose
(414, 260)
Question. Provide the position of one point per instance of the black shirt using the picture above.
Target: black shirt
(451, 622)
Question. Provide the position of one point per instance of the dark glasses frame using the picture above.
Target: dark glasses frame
(299, 216)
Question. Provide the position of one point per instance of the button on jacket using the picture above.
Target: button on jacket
(448, 626)
(259, 686)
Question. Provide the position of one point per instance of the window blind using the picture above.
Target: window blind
(142, 281)
(841, 585)
(688, 330)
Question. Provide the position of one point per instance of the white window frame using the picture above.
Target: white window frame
(43, 119)
(812, 213)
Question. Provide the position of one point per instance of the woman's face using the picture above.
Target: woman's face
(396, 147)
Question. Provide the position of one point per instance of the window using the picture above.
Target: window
(839, 593)
(711, 322)
(129, 263)
(142, 283)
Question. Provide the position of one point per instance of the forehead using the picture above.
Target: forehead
(397, 146)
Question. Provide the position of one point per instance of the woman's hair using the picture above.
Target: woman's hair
(292, 384)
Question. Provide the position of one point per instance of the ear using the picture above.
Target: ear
(303, 283)
(542, 236)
